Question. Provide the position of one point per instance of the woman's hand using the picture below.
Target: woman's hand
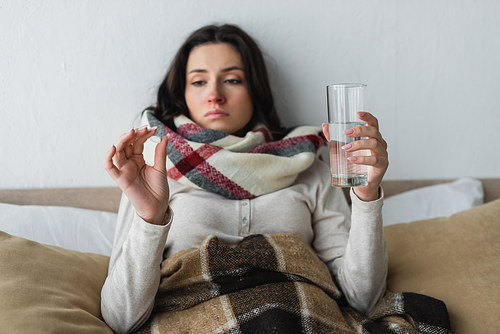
(377, 161)
(146, 187)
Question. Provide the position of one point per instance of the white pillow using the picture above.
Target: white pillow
(441, 200)
(71, 228)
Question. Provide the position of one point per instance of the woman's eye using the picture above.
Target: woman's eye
(233, 81)
(197, 83)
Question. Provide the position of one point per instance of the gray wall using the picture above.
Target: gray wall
(74, 75)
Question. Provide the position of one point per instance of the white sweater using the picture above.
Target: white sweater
(311, 207)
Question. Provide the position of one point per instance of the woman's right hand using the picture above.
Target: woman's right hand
(145, 186)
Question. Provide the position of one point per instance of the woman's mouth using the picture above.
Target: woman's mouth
(216, 113)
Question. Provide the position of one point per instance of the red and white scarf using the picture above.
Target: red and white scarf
(231, 166)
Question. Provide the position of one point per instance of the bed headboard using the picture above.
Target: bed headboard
(105, 199)
(108, 198)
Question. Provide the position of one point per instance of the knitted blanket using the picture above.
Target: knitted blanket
(274, 284)
(231, 166)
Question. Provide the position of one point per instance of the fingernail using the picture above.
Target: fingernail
(153, 128)
(346, 147)
(352, 158)
(361, 113)
(349, 131)
(142, 127)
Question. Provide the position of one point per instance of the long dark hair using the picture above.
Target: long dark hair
(171, 101)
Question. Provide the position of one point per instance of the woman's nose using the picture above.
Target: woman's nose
(215, 96)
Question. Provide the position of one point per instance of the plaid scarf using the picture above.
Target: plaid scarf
(231, 166)
(274, 284)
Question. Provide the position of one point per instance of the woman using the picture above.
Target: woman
(218, 81)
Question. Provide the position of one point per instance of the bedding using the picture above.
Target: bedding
(48, 289)
(455, 259)
(92, 231)
(273, 283)
(71, 228)
(440, 200)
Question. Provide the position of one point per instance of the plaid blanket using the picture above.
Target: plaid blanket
(274, 284)
(231, 166)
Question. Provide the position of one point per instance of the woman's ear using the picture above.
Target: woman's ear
(326, 131)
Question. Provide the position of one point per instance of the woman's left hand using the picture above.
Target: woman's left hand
(377, 161)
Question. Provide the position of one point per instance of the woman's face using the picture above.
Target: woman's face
(216, 88)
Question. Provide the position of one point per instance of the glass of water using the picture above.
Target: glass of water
(343, 103)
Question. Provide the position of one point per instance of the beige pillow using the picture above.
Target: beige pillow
(456, 260)
(48, 289)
